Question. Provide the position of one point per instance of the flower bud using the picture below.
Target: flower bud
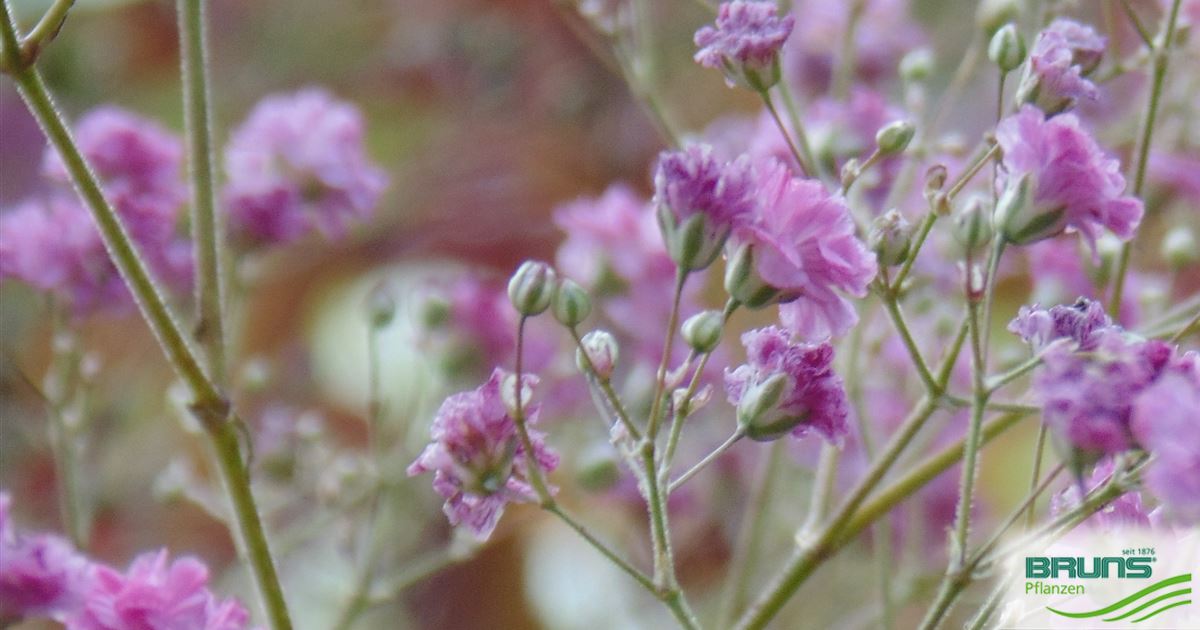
(602, 352)
(895, 136)
(531, 287)
(571, 303)
(1020, 220)
(693, 243)
(1007, 48)
(1179, 247)
(935, 180)
(917, 65)
(759, 414)
(743, 283)
(890, 237)
(702, 331)
(381, 305)
(973, 224)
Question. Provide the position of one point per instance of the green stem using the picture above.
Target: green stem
(252, 536)
(918, 242)
(1192, 325)
(1039, 450)
(1160, 55)
(208, 404)
(536, 479)
(62, 387)
(1000, 380)
(684, 408)
(892, 305)
(916, 478)
(606, 386)
(793, 111)
(612, 556)
(193, 53)
(708, 459)
(822, 487)
(133, 270)
(750, 539)
(805, 161)
(970, 449)
(660, 385)
(817, 548)
(45, 30)
(954, 585)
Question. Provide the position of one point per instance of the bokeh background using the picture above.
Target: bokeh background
(485, 114)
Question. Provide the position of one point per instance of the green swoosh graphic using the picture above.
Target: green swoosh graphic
(1163, 610)
(1186, 591)
(1178, 579)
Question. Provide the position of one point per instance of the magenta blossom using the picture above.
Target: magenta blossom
(1058, 177)
(1165, 417)
(615, 249)
(140, 166)
(745, 42)
(1087, 397)
(1062, 56)
(53, 245)
(298, 164)
(1081, 322)
(786, 386)
(803, 246)
(41, 575)
(476, 455)
(155, 594)
(700, 199)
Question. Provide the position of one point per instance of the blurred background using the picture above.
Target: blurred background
(486, 114)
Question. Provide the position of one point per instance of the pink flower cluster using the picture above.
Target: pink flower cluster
(811, 396)
(1061, 58)
(804, 245)
(50, 241)
(745, 42)
(477, 457)
(1072, 182)
(1083, 322)
(298, 165)
(43, 576)
(1115, 392)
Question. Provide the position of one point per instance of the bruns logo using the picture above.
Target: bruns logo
(1042, 567)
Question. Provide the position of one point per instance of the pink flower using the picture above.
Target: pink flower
(477, 457)
(700, 199)
(1070, 181)
(140, 166)
(41, 575)
(614, 248)
(156, 595)
(1081, 322)
(1165, 423)
(786, 386)
(1087, 397)
(1062, 56)
(745, 42)
(804, 246)
(298, 164)
(53, 245)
